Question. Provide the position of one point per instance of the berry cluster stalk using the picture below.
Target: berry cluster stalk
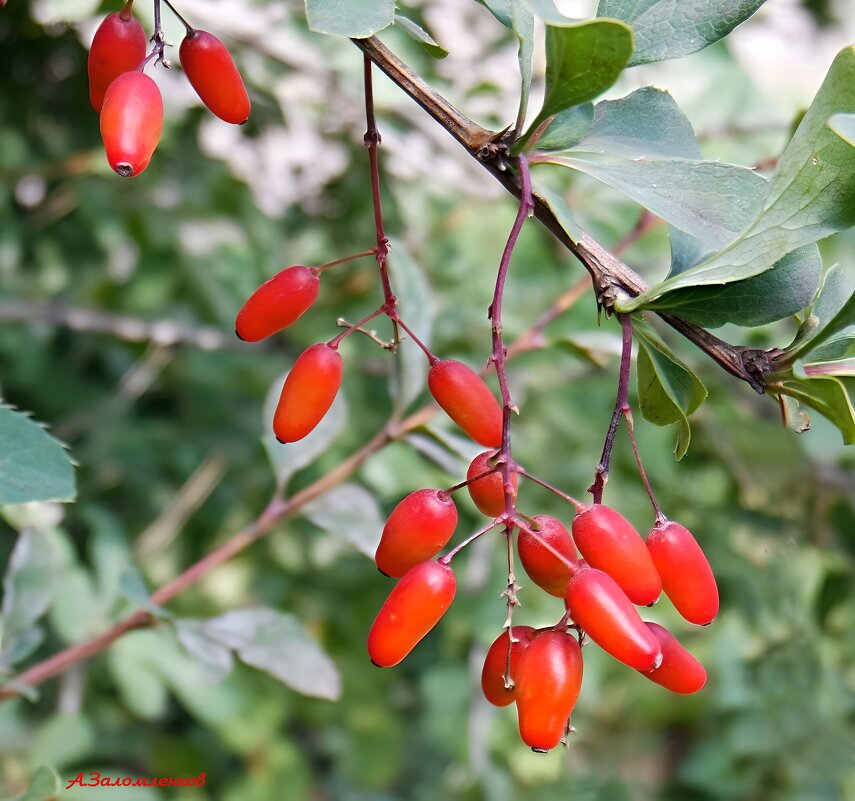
(499, 359)
(622, 409)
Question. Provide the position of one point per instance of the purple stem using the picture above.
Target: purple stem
(372, 140)
(601, 473)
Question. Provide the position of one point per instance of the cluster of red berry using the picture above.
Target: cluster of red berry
(129, 101)
(618, 570)
(542, 669)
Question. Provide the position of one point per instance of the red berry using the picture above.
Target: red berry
(687, 577)
(493, 673)
(548, 682)
(412, 609)
(277, 303)
(601, 608)
(488, 492)
(679, 672)
(308, 393)
(417, 529)
(131, 122)
(214, 76)
(118, 47)
(542, 566)
(609, 543)
(467, 400)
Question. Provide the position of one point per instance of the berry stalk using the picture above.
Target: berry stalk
(601, 472)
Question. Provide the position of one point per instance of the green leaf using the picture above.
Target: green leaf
(64, 739)
(28, 588)
(774, 295)
(277, 644)
(212, 657)
(289, 458)
(43, 786)
(674, 28)
(76, 613)
(418, 33)
(582, 61)
(559, 208)
(33, 465)
(810, 196)
(832, 396)
(350, 512)
(567, 128)
(829, 325)
(668, 391)
(134, 668)
(517, 17)
(645, 124)
(132, 586)
(415, 305)
(346, 18)
(708, 199)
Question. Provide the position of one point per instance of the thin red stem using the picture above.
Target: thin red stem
(187, 26)
(499, 354)
(601, 472)
(572, 566)
(335, 341)
(469, 481)
(446, 560)
(372, 140)
(431, 356)
(577, 505)
(343, 259)
(630, 429)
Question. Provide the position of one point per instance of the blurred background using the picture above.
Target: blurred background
(117, 302)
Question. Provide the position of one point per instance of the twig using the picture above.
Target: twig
(381, 251)
(612, 279)
(275, 512)
(601, 473)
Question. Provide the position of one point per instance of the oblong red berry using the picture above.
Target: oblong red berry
(412, 609)
(131, 122)
(308, 392)
(488, 493)
(687, 577)
(542, 566)
(610, 543)
(213, 74)
(548, 682)
(278, 302)
(419, 526)
(496, 661)
(118, 47)
(679, 672)
(467, 400)
(601, 608)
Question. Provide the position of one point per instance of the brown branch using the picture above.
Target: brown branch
(277, 511)
(612, 279)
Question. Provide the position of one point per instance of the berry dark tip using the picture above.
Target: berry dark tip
(706, 624)
(280, 441)
(383, 573)
(375, 664)
(653, 603)
(540, 750)
(237, 334)
(125, 170)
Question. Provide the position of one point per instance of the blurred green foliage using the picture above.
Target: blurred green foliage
(148, 421)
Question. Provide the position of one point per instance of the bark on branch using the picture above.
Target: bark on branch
(611, 278)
